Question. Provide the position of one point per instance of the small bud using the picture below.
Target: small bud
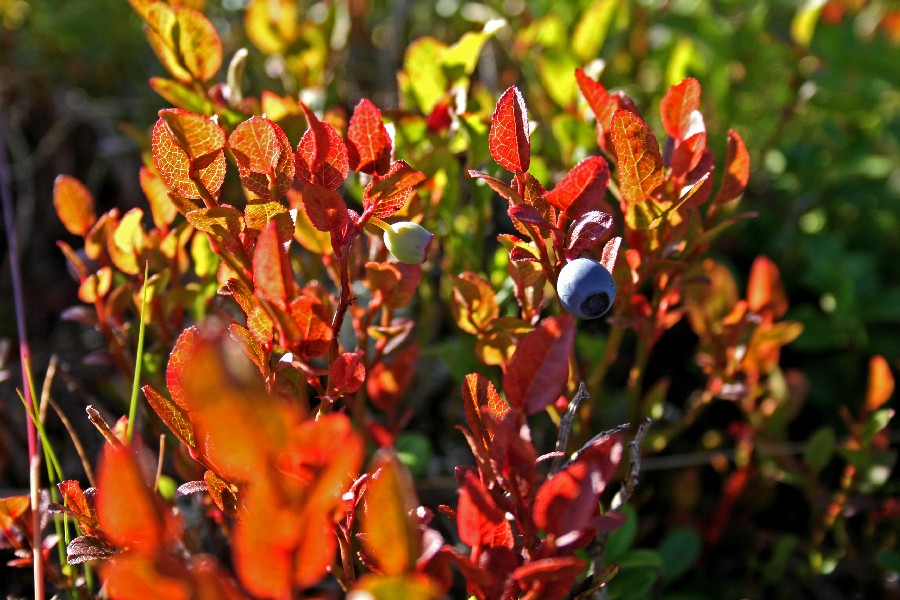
(408, 242)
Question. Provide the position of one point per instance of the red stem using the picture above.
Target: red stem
(25, 360)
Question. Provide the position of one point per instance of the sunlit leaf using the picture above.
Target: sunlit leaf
(737, 170)
(348, 372)
(582, 188)
(765, 293)
(188, 151)
(175, 418)
(881, 383)
(178, 359)
(388, 381)
(509, 138)
(413, 586)
(264, 157)
(480, 522)
(272, 277)
(252, 348)
(368, 143)
(389, 534)
(388, 193)
(677, 107)
(161, 206)
(321, 156)
(125, 242)
(184, 40)
(126, 508)
(539, 369)
(74, 204)
(638, 159)
(566, 504)
(474, 305)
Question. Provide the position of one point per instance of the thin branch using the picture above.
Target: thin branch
(565, 426)
(634, 467)
(76, 441)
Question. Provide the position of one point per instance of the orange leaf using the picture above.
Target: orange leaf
(413, 586)
(765, 294)
(368, 143)
(74, 204)
(252, 348)
(881, 383)
(125, 242)
(178, 359)
(11, 509)
(172, 415)
(127, 510)
(389, 534)
(161, 206)
(638, 158)
(184, 40)
(348, 372)
(737, 170)
(509, 138)
(387, 194)
(308, 334)
(676, 107)
(474, 305)
(188, 152)
(272, 277)
(264, 156)
(481, 523)
(387, 382)
(478, 391)
(539, 369)
(140, 576)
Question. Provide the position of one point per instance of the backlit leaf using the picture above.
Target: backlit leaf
(368, 143)
(881, 383)
(348, 372)
(582, 188)
(308, 333)
(180, 95)
(251, 347)
(549, 577)
(388, 381)
(175, 418)
(474, 305)
(765, 293)
(74, 204)
(263, 153)
(325, 209)
(188, 151)
(184, 40)
(386, 194)
(125, 241)
(638, 159)
(413, 586)
(478, 391)
(321, 154)
(272, 278)
(539, 369)
(481, 523)
(677, 107)
(178, 359)
(161, 206)
(737, 169)
(395, 282)
(75, 501)
(223, 494)
(509, 138)
(566, 504)
(126, 508)
(258, 213)
(389, 533)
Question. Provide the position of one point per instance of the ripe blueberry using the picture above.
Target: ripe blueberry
(585, 288)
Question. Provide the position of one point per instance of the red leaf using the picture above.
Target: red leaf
(688, 154)
(263, 153)
(368, 143)
(307, 334)
(566, 504)
(272, 277)
(478, 392)
(549, 577)
(386, 194)
(539, 368)
(639, 161)
(126, 508)
(387, 383)
(676, 107)
(509, 140)
(175, 418)
(74, 204)
(737, 170)
(587, 231)
(188, 152)
(389, 532)
(525, 213)
(582, 188)
(178, 359)
(348, 372)
(321, 154)
(325, 209)
(479, 520)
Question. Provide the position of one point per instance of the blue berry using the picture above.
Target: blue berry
(585, 288)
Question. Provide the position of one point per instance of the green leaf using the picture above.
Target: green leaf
(632, 584)
(890, 560)
(679, 550)
(877, 422)
(592, 28)
(819, 448)
(620, 539)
